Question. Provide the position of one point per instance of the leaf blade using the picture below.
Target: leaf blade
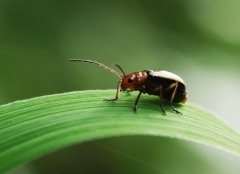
(35, 127)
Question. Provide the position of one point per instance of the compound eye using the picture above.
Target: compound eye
(130, 80)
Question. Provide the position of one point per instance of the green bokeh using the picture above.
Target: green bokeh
(136, 154)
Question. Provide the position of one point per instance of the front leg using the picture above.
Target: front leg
(117, 93)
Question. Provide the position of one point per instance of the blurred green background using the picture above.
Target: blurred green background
(198, 40)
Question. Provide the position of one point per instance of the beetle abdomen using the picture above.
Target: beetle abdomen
(180, 96)
(153, 83)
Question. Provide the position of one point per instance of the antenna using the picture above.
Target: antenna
(99, 64)
(119, 67)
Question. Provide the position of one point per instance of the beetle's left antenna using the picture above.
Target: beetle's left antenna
(98, 64)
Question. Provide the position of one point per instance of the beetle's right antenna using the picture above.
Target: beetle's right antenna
(119, 67)
(98, 64)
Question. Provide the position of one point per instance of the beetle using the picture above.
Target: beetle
(168, 86)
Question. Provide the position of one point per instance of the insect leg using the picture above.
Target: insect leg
(161, 100)
(117, 93)
(136, 102)
(172, 98)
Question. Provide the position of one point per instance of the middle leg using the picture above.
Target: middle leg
(161, 100)
(137, 99)
(136, 102)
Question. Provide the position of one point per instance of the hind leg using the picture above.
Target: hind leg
(175, 86)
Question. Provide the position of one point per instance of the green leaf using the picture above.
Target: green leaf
(32, 128)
